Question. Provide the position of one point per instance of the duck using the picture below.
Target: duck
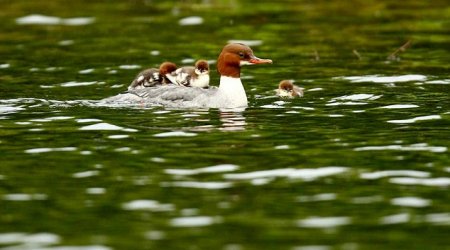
(152, 76)
(287, 89)
(229, 94)
(191, 76)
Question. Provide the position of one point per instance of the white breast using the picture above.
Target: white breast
(232, 92)
(202, 81)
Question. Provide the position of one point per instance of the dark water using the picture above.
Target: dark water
(360, 162)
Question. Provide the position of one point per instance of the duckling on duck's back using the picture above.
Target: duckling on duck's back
(197, 76)
(229, 94)
(152, 76)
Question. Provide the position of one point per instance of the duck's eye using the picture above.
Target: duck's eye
(241, 54)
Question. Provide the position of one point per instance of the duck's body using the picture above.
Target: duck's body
(287, 89)
(229, 94)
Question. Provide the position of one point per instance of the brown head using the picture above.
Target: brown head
(202, 66)
(286, 85)
(167, 68)
(233, 56)
(286, 88)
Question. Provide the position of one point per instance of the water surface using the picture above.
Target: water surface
(360, 162)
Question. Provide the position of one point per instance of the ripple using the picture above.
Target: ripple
(130, 66)
(413, 147)
(155, 52)
(77, 84)
(350, 100)
(387, 173)
(399, 106)
(317, 197)
(432, 182)
(54, 118)
(86, 71)
(96, 190)
(271, 106)
(162, 112)
(384, 79)
(395, 219)
(282, 147)
(11, 238)
(212, 169)
(46, 150)
(367, 199)
(37, 19)
(86, 174)
(305, 174)
(106, 126)
(415, 119)
(302, 107)
(118, 136)
(24, 197)
(314, 89)
(358, 97)
(346, 103)
(38, 239)
(410, 202)
(77, 21)
(324, 222)
(192, 20)
(5, 109)
(88, 120)
(66, 42)
(445, 81)
(196, 184)
(175, 134)
(188, 115)
(194, 221)
(438, 218)
(283, 172)
(157, 159)
(149, 205)
(122, 149)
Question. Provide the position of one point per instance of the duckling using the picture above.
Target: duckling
(287, 89)
(189, 76)
(152, 76)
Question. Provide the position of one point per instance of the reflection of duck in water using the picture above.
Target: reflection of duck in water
(152, 77)
(191, 76)
(287, 89)
(232, 120)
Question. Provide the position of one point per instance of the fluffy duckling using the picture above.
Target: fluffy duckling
(151, 77)
(287, 89)
(189, 76)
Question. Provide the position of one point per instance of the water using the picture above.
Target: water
(360, 162)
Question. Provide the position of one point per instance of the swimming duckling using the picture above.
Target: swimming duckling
(287, 89)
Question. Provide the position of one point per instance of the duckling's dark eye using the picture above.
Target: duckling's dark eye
(241, 54)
